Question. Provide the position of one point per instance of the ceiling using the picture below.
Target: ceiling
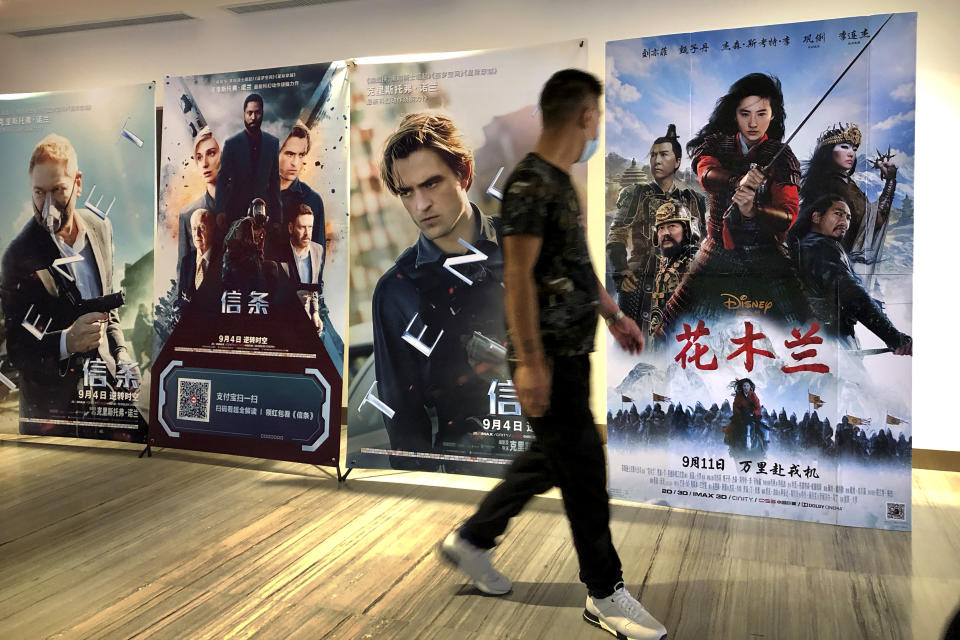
(42, 17)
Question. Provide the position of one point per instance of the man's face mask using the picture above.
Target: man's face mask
(53, 214)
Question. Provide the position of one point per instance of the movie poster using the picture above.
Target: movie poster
(433, 142)
(251, 263)
(773, 280)
(76, 239)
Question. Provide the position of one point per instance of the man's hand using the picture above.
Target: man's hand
(629, 283)
(317, 322)
(532, 383)
(628, 335)
(905, 349)
(86, 333)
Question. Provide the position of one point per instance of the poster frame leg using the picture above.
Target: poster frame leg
(342, 475)
(146, 450)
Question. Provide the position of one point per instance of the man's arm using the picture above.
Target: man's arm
(273, 186)
(399, 366)
(224, 180)
(319, 228)
(116, 343)
(618, 238)
(35, 359)
(184, 235)
(624, 330)
(853, 296)
(827, 263)
(531, 378)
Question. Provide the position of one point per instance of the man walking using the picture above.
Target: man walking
(552, 299)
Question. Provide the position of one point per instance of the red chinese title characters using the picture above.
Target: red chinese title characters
(690, 338)
(747, 348)
(699, 350)
(804, 340)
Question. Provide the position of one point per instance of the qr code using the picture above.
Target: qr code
(193, 400)
(896, 511)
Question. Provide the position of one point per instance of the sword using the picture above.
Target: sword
(733, 208)
(869, 352)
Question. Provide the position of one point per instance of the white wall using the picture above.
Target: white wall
(224, 42)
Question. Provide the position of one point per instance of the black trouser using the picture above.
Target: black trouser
(567, 453)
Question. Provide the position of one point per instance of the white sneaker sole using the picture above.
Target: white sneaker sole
(453, 561)
(600, 624)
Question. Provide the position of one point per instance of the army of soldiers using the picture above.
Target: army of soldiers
(654, 426)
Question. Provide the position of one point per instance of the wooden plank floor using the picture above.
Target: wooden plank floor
(96, 543)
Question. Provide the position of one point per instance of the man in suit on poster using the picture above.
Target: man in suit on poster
(54, 357)
(292, 189)
(249, 169)
(448, 369)
(202, 264)
(302, 261)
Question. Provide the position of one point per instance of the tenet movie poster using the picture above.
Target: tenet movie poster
(759, 209)
(251, 263)
(77, 243)
(433, 142)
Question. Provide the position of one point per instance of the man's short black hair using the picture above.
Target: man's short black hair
(253, 97)
(564, 95)
(804, 222)
(674, 142)
(823, 202)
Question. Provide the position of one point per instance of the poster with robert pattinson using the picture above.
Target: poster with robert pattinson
(769, 258)
(76, 239)
(433, 142)
(251, 263)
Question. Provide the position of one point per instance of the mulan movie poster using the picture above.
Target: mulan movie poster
(76, 282)
(759, 212)
(251, 263)
(432, 143)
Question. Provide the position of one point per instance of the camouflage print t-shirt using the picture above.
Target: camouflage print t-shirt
(539, 200)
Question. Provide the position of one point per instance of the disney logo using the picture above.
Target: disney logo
(742, 302)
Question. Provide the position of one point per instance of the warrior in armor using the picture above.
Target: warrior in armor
(830, 170)
(635, 226)
(837, 294)
(746, 430)
(677, 240)
(740, 161)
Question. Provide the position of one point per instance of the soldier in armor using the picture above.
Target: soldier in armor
(835, 291)
(677, 241)
(830, 170)
(743, 249)
(635, 226)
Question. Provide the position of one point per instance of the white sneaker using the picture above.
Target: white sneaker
(623, 616)
(475, 562)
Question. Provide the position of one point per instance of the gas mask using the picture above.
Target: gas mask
(52, 215)
(257, 213)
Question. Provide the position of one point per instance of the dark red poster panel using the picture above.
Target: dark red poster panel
(251, 268)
